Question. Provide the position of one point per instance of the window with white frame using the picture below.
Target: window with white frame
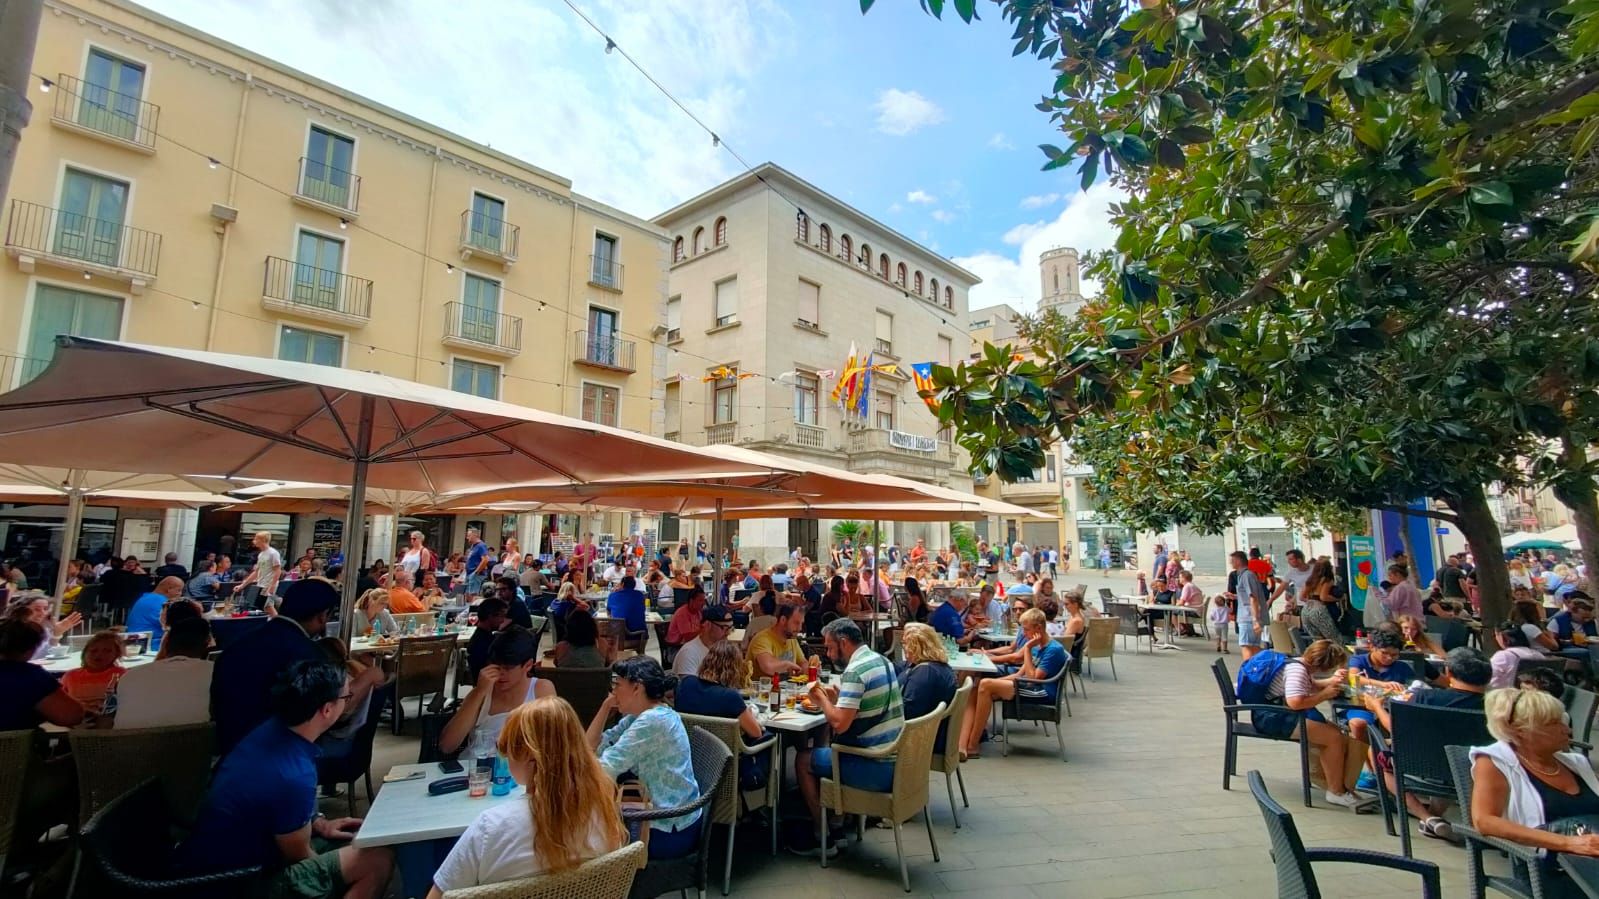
(477, 378)
(885, 333)
(600, 404)
(674, 319)
(673, 401)
(807, 396)
(810, 304)
(300, 345)
(726, 302)
(946, 350)
(724, 399)
(887, 403)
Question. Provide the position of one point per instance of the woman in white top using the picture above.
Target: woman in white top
(1513, 647)
(505, 682)
(417, 558)
(571, 813)
(1531, 777)
(511, 556)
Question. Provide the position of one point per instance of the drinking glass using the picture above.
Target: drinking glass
(477, 781)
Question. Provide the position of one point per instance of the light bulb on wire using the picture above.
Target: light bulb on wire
(610, 45)
(212, 162)
(45, 84)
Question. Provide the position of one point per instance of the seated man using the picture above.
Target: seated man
(145, 616)
(508, 590)
(492, 617)
(947, 620)
(401, 600)
(1379, 664)
(626, 603)
(776, 650)
(685, 624)
(203, 586)
(715, 622)
(261, 809)
(1573, 627)
(1043, 659)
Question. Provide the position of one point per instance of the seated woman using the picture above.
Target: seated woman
(1513, 647)
(570, 814)
(582, 646)
(927, 679)
(1414, 632)
(505, 682)
(916, 608)
(431, 594)
(371, 614)
(1302, 684)
(766, 598)
(650, 744)
(1530, 615)
(29, 695)
(715, 692)
(1529, 779)
(1043, 658)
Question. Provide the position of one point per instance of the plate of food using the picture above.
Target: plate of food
(805, 705)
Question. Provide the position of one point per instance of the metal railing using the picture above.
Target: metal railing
(605, 271)
(68, 235)
(886, 347)
(18, 370)
(604, 349)
(720, 433)
(485, 326)
(810, 436)
(122, 116)
(673, 335)
(328, 185)
(489, 234)
(312, 288)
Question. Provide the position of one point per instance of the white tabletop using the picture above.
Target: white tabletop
(973, 663)
(74, 661)
(795, 721)
(368, 644)
(405, 813)
(650, 617)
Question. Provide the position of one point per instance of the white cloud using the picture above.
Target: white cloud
(943, 216)
(1000, 142)
(904, 112)
(593, 119)
(1039, 201)
(920, 196)
(1013, 279)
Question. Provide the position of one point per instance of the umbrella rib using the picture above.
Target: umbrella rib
(399, 425)
(521, 452)
(407, 434)
(253, 387)
(232, 425)
(412, 449)
(333, 415)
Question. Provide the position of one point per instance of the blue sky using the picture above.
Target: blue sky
(927, 125)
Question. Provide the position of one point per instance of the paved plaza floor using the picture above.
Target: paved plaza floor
(1136, 810)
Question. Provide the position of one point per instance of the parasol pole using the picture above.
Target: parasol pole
(355, 522)
(69, 534)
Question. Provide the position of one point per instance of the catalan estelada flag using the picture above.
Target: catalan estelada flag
(922, 375)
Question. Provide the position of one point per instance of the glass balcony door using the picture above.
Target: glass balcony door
(60, 310)
(110, 96)
(329, 160)
(317, 263)
(487, 228)
(89, 222)
(480, 310)
(602, 336)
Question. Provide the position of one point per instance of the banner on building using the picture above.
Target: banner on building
(914, 442)
(1362, 568)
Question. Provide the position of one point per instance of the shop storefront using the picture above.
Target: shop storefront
(32, 535)
(1095, 534)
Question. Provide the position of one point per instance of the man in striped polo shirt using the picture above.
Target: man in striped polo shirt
(865, 710)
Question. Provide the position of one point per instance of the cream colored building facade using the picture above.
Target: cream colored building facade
(178, 190)
(773, 279)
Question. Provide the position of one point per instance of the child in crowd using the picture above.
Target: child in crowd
(1219, 622)
(100, 671)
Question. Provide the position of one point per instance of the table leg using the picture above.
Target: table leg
(417, 862)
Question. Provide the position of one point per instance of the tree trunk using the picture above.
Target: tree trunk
(1477, 525)
(1410, 551)
(1576, 492)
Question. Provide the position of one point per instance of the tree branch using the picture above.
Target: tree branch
(1516, 115)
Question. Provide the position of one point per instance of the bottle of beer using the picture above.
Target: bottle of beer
(774, 699)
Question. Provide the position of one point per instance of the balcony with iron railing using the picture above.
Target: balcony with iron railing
(318, 293)
(885, 451)
(602, 350)
(489, 237)
(102, 113)
(884, 347)
(321, 186)
(38, 235)
(721, 432)
(605, 273)
(484, 330)
(810, 436)
(18, 370)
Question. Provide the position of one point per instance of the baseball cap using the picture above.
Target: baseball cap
(305, 599)
(716, 615)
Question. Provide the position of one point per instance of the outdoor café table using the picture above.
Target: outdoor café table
(389, 647)
(1171, 631)
(422, 828)
(74, 661)
(973, 663)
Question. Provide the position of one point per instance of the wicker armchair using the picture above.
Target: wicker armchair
(1294, 875)
(1528, 867)
(948, 762)
(16, 753)
(711, 760)
(1420, 766)
(128, 852)
(420, 669)
(1581, 705)
(1231, 708)
(584, 688)
(112, 762)
(730, 802)
(1036, 710)
(1101, 643)
(912, 755)
(606, 877)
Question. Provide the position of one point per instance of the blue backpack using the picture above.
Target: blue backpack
(1254, 678)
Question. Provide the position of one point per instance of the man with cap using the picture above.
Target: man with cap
(241, 685)
(715, 622)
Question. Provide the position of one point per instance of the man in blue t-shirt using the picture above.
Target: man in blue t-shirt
(241, 684)
(946, 619)
(1042, 659)
(261, 809)
(477, 562)
(627, 603)
(1379, 663)
(145, 615)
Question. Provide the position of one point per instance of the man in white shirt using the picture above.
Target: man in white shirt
(613, 573)
(1290, 583)
(715, 623)
(1024, 560)
(268, 566)
(170, 691)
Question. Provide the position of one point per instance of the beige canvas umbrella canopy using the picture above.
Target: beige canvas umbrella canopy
(103, 405)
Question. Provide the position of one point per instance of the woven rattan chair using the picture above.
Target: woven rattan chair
(730, 803)
(16, 753)
(1101, 643)
(1231, 708)
(948, 762)
(128, 850)
(606, 877)
(912, 755)
(1528, 871)
(1420, 765)
(1581, 705)
(1295, 879)
(1035, 710)
(711, 759)
(112, 762)
(584, 688)
(421, 667)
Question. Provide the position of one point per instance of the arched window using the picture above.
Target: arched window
(865, 260)
(1056, 275)
(934, 294)
(917, 280)
(949, 298)
(677, 249)
(720, 234)
(698, 246)
(846, 249)
(802, 227)
(900, 275)
(827, 238)
(882, 266)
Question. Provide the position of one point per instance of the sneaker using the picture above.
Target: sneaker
(808, 845)
(1367, 782)
(1439, 829)
(1347, 800)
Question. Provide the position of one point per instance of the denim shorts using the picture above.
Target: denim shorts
(862, 774)
(1247, 635)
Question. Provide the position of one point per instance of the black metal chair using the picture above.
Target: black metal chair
(1555, 665)
(1295, 878)
(346, 770)
(128, 852)
(663, 875)
(87, 603)
(1452, 632)
(1301, 640)
(1036, 710)
(1132, 624)
(1417, 749)
(1231, 707)
(1527, 868)
(1581, 705)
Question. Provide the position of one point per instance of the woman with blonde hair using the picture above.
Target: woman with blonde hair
(372, 612)
(571, 813)
(927, 679)
(1414, 630)
(714, 692)
(1526, 782)
(1518, 574)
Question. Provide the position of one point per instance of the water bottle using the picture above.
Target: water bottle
(502, 782)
